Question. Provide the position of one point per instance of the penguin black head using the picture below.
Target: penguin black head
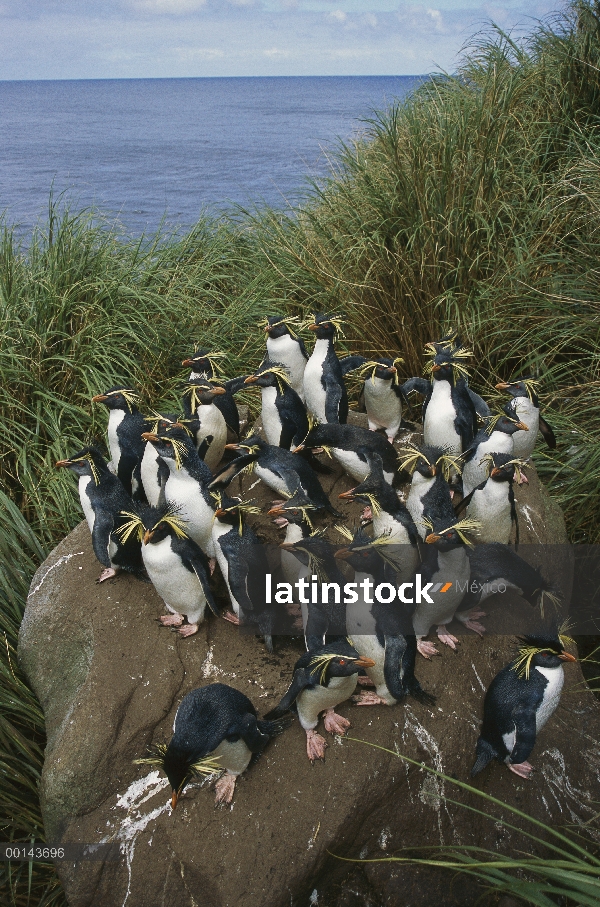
(279, 325)
(269, 374)
(427, 461)
(543, 651)
(386, 369)
(161, 422)
(180, 764)
(336, 659)
(200, 392)
(368, 489)
(119, 397)
(362, 553)
(232, 510)
(87, 462)
(174, 444)
(446, 361)
(204, 363)
(503, 467)
(250, 445)
(521, 387)
(447, 536)
(296, 509)
(507, 424)
(326, 327)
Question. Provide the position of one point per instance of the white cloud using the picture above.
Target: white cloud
(188, 54)
(337, 15)
(274, 53)
(171, 7)
(371, 20)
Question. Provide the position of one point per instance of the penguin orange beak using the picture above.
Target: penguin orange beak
(502, 386)
(287, 546)
(342, 553)
(148, 436)
(267, 328)
(189, 362)
(432, 538)
(174, 796)
(220, 512)
(251, 379)
(435, 367)
(275, 510)
(363, 662)
(217, 390)
(298, 449)
(312, 327)
(433, 469)
(349, 495)
(232, 446)
(60, 463)
(495, 472)
(566, 656)
(99, 398)
(148, 536)
(522, 426)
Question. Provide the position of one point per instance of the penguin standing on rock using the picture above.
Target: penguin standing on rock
(429, 489)
(353, 447)
(205, 365)
(216, 728)
(383, 395)
(519, 702)
(153, 470)
(177, 567)
(381, 631)
(323, 678)
(287, 348)
(324, 388)
(103, 497)
(495, 437)
(210, 428)
(492, 502)
(283, 414)
(525, 406)
(125, 427)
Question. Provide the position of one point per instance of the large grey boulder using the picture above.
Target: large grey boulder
(109, 679)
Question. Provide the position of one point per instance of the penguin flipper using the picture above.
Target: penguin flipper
(485, 754)
(256, 734)
(224, 476)
(467, 500)
(514, 516)
(349, 363)
(395, 647)
(301, 679)
(420, 385)
(334, 394)
(525, 734)
(194, 562)
(235, 384)
(547, 434)
(103, 526)
(481, 407)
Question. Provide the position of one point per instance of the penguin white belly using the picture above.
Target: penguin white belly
(149, 474)
(115, 418)
(369, 647)
(473, 473)
(384, 408)
(271, 421)
(314, 392)
(212, 424)
(272, 480)
(311, 703)
(178, 587)
(88, 511)
(414, 503)
(287, 352)
(359, 620)
(219, 529)
(234, 757)
(551, 698)
(491, 507)
(453, 567)
(438, 427)
(524, 441)
(355, 467)
(184, 491)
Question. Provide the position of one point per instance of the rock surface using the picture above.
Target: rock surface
(110, 679)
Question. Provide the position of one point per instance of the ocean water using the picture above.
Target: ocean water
(148, 150)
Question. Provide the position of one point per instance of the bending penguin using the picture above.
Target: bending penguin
(519, 702)
(353, 448)
(525, 406)
(323, 678)
(177, 567)
(124, 430)
(103, 497)
(216, 728)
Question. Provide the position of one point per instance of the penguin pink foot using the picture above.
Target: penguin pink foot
(475, 626)
(368, 699)
(232, 618)
(107, 573)
(522, 769)
(426, 648)
(468, 618)
(188, 630)
(367, 514)
(171, 620)
(446, 638)
(365, 682)
(335, 724)
(224, 789)
(315, 745)
(212, 563)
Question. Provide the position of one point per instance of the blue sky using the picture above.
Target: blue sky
(82, 39)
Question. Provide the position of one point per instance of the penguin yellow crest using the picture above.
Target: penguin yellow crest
(522, 663)
(205, 767)
(320, 663)
(288, 320)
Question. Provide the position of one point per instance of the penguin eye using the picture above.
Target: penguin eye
(342, 661)
(544, 654)
(365, 553)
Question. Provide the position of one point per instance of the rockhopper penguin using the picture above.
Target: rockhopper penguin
(205, 365)
(429, 489)
(153, 470)
(492, 502)
(283, 414)
(124, 430)
(287, 348)
(525, 406)
(383, 395)
(323, 678)
(324, 389)
(103, 497)
(177, 567)
(495, 437)
(210, 429)
(519, 702)
(352, 447)
(215, 728)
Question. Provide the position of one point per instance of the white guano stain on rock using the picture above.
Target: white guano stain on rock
(554, 771)
(432, 788)
(62, 560)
